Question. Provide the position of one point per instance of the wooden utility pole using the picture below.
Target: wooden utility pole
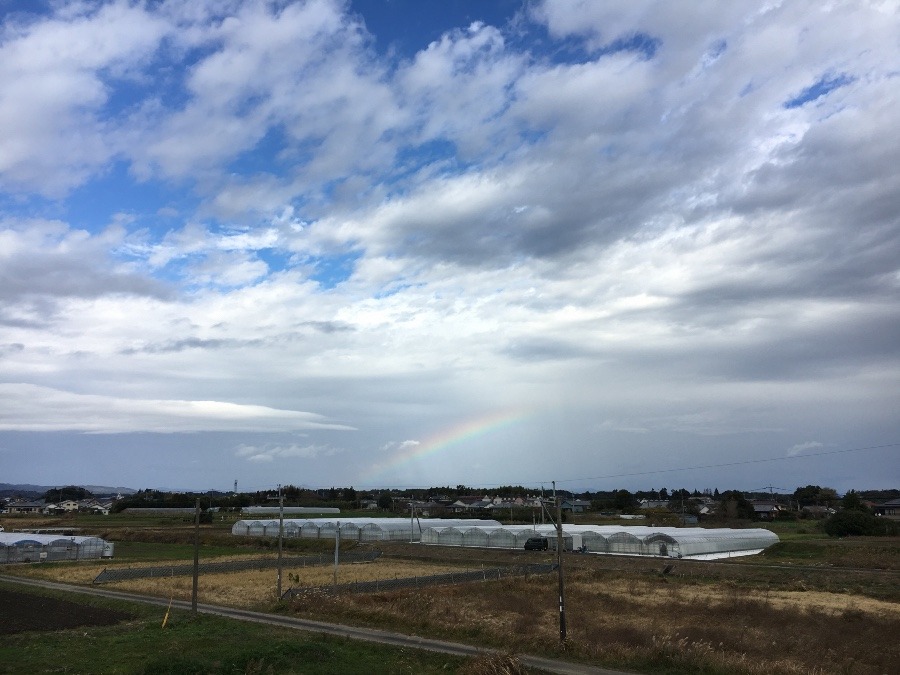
(280, 534)
(196, 556)
(337, 548)
(559, 567)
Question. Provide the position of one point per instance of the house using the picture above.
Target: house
(654, 504)
(575, 505)
(470, 504)
(24, 507)
(889, 509)
(816, 511)
(765, 510)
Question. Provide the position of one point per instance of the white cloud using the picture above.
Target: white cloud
(270, 453)
(661, 243)
(28, 407)
(801, 448)
(54, 83)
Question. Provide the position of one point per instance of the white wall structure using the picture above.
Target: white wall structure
(26, 547)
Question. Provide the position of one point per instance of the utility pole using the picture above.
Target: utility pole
(337, 548)
(196, 556)
(559, 567)
(280, 534)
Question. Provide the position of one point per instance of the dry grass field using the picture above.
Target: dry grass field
(621, 613)
(810, 607)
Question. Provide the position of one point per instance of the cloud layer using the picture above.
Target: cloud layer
(669, 232)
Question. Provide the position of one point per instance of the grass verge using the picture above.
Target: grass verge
(202, 644)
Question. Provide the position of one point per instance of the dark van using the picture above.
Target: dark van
(536, 544)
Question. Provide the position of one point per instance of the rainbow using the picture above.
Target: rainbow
(450, 438)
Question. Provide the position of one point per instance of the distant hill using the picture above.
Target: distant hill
(30, 491)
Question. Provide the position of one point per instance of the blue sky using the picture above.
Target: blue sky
(332, 243)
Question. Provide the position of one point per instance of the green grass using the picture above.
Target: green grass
(204, 644)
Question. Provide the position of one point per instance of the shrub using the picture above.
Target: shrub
(850, 522)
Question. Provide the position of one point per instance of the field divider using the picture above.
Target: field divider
(126, 573)
(447, 578)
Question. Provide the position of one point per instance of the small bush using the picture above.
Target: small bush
(852, 522)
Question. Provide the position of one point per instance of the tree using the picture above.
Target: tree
(735, 506)
(72, 492)
(852, 502)
(385, 501)
(814, 495)
(623, 500)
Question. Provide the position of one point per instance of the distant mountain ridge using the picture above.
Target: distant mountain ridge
(26, 490)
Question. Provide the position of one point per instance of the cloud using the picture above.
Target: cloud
(801, 448)
(272, 453)
(56, 77)
(678, 219)
(44, 263)
(28, 407)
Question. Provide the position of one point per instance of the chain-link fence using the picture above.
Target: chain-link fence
(125, 573)
(377, 586)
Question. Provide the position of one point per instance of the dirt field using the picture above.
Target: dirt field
(23, 612)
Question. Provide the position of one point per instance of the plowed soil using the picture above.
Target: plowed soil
(24, 612)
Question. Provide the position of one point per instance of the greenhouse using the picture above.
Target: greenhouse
(286, 510)
(360, 529)
(666, 542)
(26, 547)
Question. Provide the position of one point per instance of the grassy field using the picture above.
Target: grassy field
(206, 644)
(807, 606)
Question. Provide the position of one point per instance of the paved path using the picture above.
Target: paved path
(350, 632)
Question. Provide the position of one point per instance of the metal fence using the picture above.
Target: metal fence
(125, 573)
(377, 586)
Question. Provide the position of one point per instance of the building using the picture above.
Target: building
(889, 509)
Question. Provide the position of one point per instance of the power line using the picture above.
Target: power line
(631, 474)
(726, 464)
(671, 469)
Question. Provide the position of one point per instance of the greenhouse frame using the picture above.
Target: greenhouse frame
(666, 542)
(16, 547)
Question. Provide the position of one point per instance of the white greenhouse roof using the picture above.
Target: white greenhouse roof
(680, 542)
(18, 538)
(672, 542)
(383, 524)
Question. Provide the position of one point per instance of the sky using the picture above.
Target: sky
(409, 244)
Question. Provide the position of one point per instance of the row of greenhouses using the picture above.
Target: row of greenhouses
(18, 547)
(668, 542)
(355, 529)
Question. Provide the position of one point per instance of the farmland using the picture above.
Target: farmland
(808, 605)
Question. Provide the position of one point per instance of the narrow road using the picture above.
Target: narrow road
(350, 632)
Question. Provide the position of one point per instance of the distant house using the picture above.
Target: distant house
(766, 510)
(816, 511)
(24, 507)
(470, 504)
(575, 505)
(889, 509)
(654, 504)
